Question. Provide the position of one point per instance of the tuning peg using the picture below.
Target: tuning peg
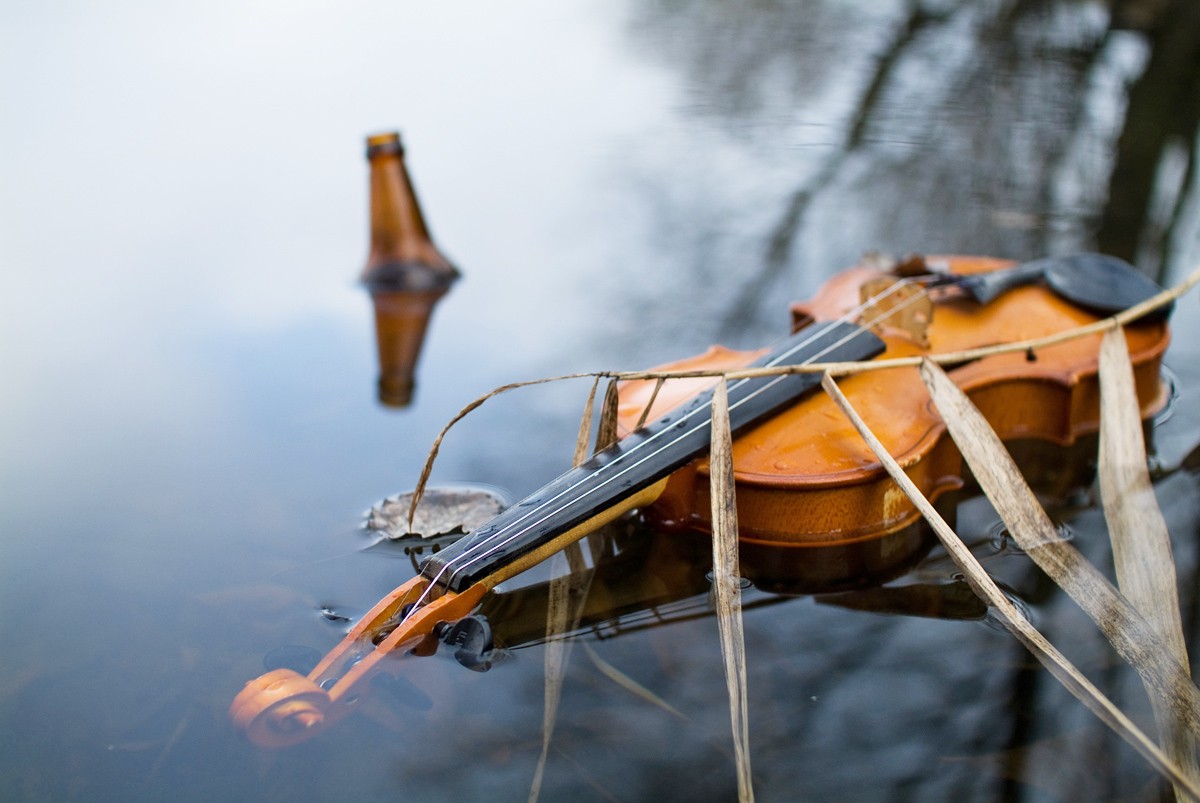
(472, 635)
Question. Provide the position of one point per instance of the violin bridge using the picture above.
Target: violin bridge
(892, 303)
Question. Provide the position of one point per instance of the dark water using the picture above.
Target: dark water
(188, 429)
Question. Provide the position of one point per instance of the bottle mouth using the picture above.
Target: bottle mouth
(387, 142)
(395, 389)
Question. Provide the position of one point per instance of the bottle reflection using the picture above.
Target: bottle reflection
(405, 273)
(401, 319)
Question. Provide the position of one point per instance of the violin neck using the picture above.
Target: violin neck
(567, 508)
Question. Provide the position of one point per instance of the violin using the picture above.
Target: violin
(799, 498)
(804, 480)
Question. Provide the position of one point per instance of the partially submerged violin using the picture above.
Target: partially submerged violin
(824, 488)
(804, 479)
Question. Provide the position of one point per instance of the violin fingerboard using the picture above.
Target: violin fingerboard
(645, 456)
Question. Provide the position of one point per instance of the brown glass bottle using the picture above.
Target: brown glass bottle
(402, 255)
(405, 273)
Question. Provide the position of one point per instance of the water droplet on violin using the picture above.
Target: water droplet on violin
(1003, 543)
(743, 582)
(1170, 381)
(1157, 467)
(332, 615)
(996, 622)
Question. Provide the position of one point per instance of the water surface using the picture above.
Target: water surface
(188, 426)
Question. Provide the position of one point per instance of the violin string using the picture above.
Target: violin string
(492, 545)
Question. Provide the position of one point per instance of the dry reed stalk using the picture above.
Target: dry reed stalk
(835, 369)
(1163, 672)
(1011, 617)
(585, 425)
(606, 433)
(658, 383)
(566, 596)
(427, 468)
(966, 355)
(1141, 544)
(1125, 628)
(629, 684)
(727, 585)
(568, 592)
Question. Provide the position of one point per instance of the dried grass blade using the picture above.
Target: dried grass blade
(727, 588)
(1010, 616)
(585, 426)
(427, 469)
(566, 595)
(558, 614)
(1124, 627)
(658, 383)
(1141, 543)
(966, 355)
(628, 683)
(606, 433)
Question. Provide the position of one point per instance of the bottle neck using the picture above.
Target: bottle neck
(400, 242)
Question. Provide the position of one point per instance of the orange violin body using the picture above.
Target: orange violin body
(806, 479)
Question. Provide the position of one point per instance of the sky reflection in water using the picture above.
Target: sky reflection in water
(189, 430)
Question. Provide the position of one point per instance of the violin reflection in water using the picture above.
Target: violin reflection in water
(806, 484)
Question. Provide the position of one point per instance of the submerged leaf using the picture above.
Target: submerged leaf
(441, 511)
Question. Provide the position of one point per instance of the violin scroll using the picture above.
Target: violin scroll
(280, 708)
(283, 707)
